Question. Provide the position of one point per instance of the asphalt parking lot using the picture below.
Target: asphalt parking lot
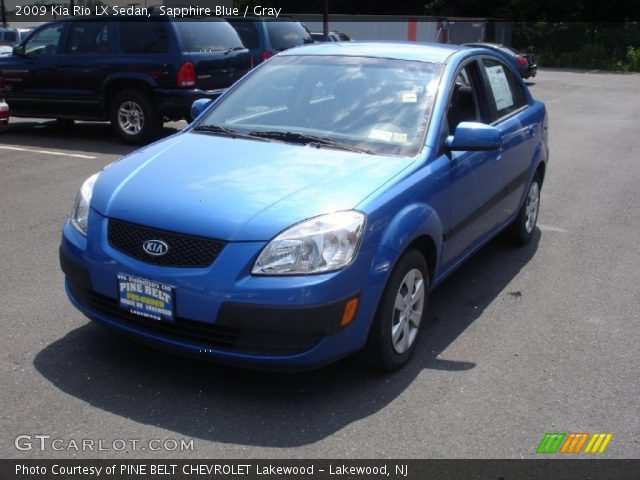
(519, 342)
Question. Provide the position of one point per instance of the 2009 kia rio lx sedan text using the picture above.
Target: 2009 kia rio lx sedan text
(307, 213)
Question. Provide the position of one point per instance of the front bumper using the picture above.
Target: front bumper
(223, 313)
(175, 104)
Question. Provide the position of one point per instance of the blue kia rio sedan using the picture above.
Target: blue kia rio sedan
(308, 212)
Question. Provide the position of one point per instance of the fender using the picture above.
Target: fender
(135, 76)
(540, 156)
(410, 223)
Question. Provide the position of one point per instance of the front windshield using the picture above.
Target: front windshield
(378, 105)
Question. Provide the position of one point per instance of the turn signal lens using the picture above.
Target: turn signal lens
(349, 312)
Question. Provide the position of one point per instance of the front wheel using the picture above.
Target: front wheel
(521, 230)
(396, 326)
(134, 117)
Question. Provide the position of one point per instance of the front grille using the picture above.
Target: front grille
(184, 250)
(201, 334)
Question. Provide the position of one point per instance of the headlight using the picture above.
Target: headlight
(80, 213)
(321, 244)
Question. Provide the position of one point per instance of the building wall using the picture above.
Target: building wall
(378, 27)
(421, 29)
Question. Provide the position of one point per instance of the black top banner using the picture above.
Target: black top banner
(510, 10)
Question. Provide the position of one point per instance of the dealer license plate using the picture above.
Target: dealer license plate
(146, 298)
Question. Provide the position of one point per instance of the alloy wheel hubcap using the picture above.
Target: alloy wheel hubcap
(532, 206)
(407, 311)
(130, 117)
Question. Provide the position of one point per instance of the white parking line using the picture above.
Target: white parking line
(47, 152)
(551, 228)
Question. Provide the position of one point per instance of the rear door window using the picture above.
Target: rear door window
(88, 38)
(207, 36)
(144, 37)
(504, 89)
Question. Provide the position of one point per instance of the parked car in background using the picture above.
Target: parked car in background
(136, 74)
(4, 108)
(12, 36)
(309, 211)
(333, 37)
(265, 38)
(524, 63)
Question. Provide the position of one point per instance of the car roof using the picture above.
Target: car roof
(424, 52)
(496, 46)
(484, 44)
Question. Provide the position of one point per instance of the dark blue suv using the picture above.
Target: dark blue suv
(136, 73)
(266, 37)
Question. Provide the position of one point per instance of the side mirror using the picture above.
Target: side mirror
(474, 136)
(18, 50)
(199, 106)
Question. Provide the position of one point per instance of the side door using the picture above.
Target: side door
(31, 78)
(512, 115)
(85, 65)
(147, 50)
(475, 192)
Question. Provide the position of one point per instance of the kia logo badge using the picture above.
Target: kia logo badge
(156, 248)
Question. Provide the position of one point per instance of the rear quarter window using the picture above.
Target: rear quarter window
(207, 36)
(9, 36)
(284, 35)
(248, 32)
(144, 37)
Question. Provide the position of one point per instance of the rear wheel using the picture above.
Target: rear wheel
(521, 230)
(64, 123)
(134, 117)
(396, 326)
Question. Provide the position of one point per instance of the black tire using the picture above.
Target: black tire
(64, 123)
(380, 351)
(144, 121)
(521, 229)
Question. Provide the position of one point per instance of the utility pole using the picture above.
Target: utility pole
(4, 14)
(325, 21)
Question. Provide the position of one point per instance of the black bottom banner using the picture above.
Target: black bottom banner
(551, 469)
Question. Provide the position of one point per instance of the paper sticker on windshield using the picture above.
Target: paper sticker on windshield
(399, 138)
(409, 97)
(383, 135)
(500, 87)
(387, 136)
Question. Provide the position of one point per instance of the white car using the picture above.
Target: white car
(4, 108)
(4, 114)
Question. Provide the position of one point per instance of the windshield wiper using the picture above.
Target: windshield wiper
(215, 129)
(234, 49)
(303, 138)
(219, 129)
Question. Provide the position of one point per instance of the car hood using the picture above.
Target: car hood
(236, 189)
